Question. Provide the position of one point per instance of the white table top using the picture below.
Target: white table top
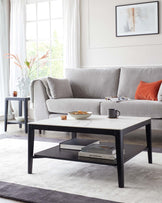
(95, 121)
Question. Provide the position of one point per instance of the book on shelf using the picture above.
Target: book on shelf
(96, 160)
(76, 144)
(98, 151)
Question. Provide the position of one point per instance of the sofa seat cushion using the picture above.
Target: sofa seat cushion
(73, 104)
(93, 83)
(141, 108)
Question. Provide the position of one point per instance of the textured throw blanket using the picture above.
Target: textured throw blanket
(45, 84)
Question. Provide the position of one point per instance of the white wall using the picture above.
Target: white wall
(101, 48)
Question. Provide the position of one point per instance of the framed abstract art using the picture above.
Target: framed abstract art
(137, 19)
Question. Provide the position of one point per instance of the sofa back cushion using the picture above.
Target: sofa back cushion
(131, 77)
(93, 83)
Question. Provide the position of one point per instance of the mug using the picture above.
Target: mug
(113, 113)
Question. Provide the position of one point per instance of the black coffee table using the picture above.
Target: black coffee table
(95, 125)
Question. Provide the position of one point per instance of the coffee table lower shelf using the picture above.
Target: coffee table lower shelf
(72, 155)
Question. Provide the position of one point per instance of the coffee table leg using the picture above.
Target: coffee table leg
(120, 160)
(149, 142)
(30, 148)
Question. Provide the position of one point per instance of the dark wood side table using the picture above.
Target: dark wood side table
(20, 100)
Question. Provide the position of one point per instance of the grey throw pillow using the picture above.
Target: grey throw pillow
(59, 88)
(159, 97)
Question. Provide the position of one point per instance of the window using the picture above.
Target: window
(44, 31)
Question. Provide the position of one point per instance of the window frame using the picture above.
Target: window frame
(37, 40)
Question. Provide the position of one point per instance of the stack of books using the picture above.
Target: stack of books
(99, 153)
(77, 144)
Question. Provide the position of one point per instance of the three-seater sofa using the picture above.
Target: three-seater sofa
(88, 89)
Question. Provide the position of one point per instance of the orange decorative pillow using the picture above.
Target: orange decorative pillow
(148, 91)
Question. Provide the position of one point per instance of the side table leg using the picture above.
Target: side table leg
(26, 115)
(30, 149)
(20, 112)
(149, 142)
(120, 159)
(6, 114)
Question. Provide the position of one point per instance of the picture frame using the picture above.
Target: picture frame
(137, 19)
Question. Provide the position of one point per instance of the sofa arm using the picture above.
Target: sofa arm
(39, 97)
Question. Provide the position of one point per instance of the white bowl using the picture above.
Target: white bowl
(80, 116)
(19, 118)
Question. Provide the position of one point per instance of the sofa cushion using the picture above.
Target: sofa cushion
(93, 83)
(148, 91)
(131, 77)
(59, 88)
(73, 104)
(141, 108)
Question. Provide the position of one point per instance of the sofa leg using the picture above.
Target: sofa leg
(40, 132)
(73, 135)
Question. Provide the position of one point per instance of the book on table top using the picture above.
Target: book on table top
(98, 151)
(76, 144)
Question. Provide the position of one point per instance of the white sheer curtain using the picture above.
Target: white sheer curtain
(4, 48)
(17, 38)
(71, 9)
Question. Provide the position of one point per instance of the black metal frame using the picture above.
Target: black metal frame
(119, 143)
(136, 4)
(20, 100)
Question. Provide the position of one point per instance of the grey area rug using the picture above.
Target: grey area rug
(143, 181)
(38, 195)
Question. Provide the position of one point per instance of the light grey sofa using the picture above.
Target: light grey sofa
(91, 86)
